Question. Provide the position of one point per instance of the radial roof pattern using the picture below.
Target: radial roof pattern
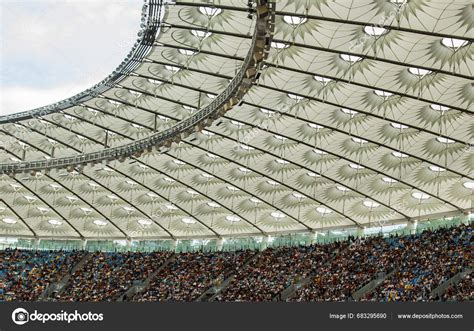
(362, 113)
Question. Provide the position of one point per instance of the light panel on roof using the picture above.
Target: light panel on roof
(152, 195)
(323, 210)
(255, 200)
(419, 72)
(232, 188)
(454, 43)
(350, 58)
(232, 218)
(100, 223)
(436, 168)
(267, 111)
(237, 123)
(55, 222)
(212, 156)
(319, 152)
(8, 220)
(359, 140)
(398, 2)
(208, 133)
(469, 185)
(295, 97)
(297, 195)
(201, 34)
(281, 161)
(187, 220)
(371, 204)
(312, 174)
(315, 126)
(294, 20)
(383, 94)
(189, 108)
(375, 31)
(213, 204)
(171, 207)
(355, 166)
(246, 147)
(439, 107)
(444, 140)
(210, 11)
(172, 68)
(399, 126)
(278, 45)
(322, 80)
(277, 215)
(244, 170)
(400, 155)
(349, 111)
(420, 195)
(144, 222)
(186, 52)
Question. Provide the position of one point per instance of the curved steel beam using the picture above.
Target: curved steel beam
(204, 117)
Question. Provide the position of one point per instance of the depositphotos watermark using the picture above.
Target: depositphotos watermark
(21, 316)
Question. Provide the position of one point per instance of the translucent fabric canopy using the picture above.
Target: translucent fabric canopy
(361, 115)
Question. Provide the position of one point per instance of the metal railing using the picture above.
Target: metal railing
(259, 48)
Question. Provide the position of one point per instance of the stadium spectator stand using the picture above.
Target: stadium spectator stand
(191, 274)
(24, 275)
(409, 268)
(107, 275)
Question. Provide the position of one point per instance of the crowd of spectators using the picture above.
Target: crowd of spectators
(424, 262)
(105, 276)
(189, 275)
(274, 270)
(462, 291)
(409, 269)
(24, 275)
(356, 265)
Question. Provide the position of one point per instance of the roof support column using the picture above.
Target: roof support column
(412, 225)
(220, 244)
(465, 218)
(264, 243)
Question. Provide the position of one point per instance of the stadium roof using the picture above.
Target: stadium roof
(346, 114)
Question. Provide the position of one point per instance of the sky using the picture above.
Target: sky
(53, 49)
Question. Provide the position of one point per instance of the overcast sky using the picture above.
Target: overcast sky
(53, 49)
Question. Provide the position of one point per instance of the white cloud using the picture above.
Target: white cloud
(53, 49)
(16, 99)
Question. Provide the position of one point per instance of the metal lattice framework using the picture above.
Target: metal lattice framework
(361, 115)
